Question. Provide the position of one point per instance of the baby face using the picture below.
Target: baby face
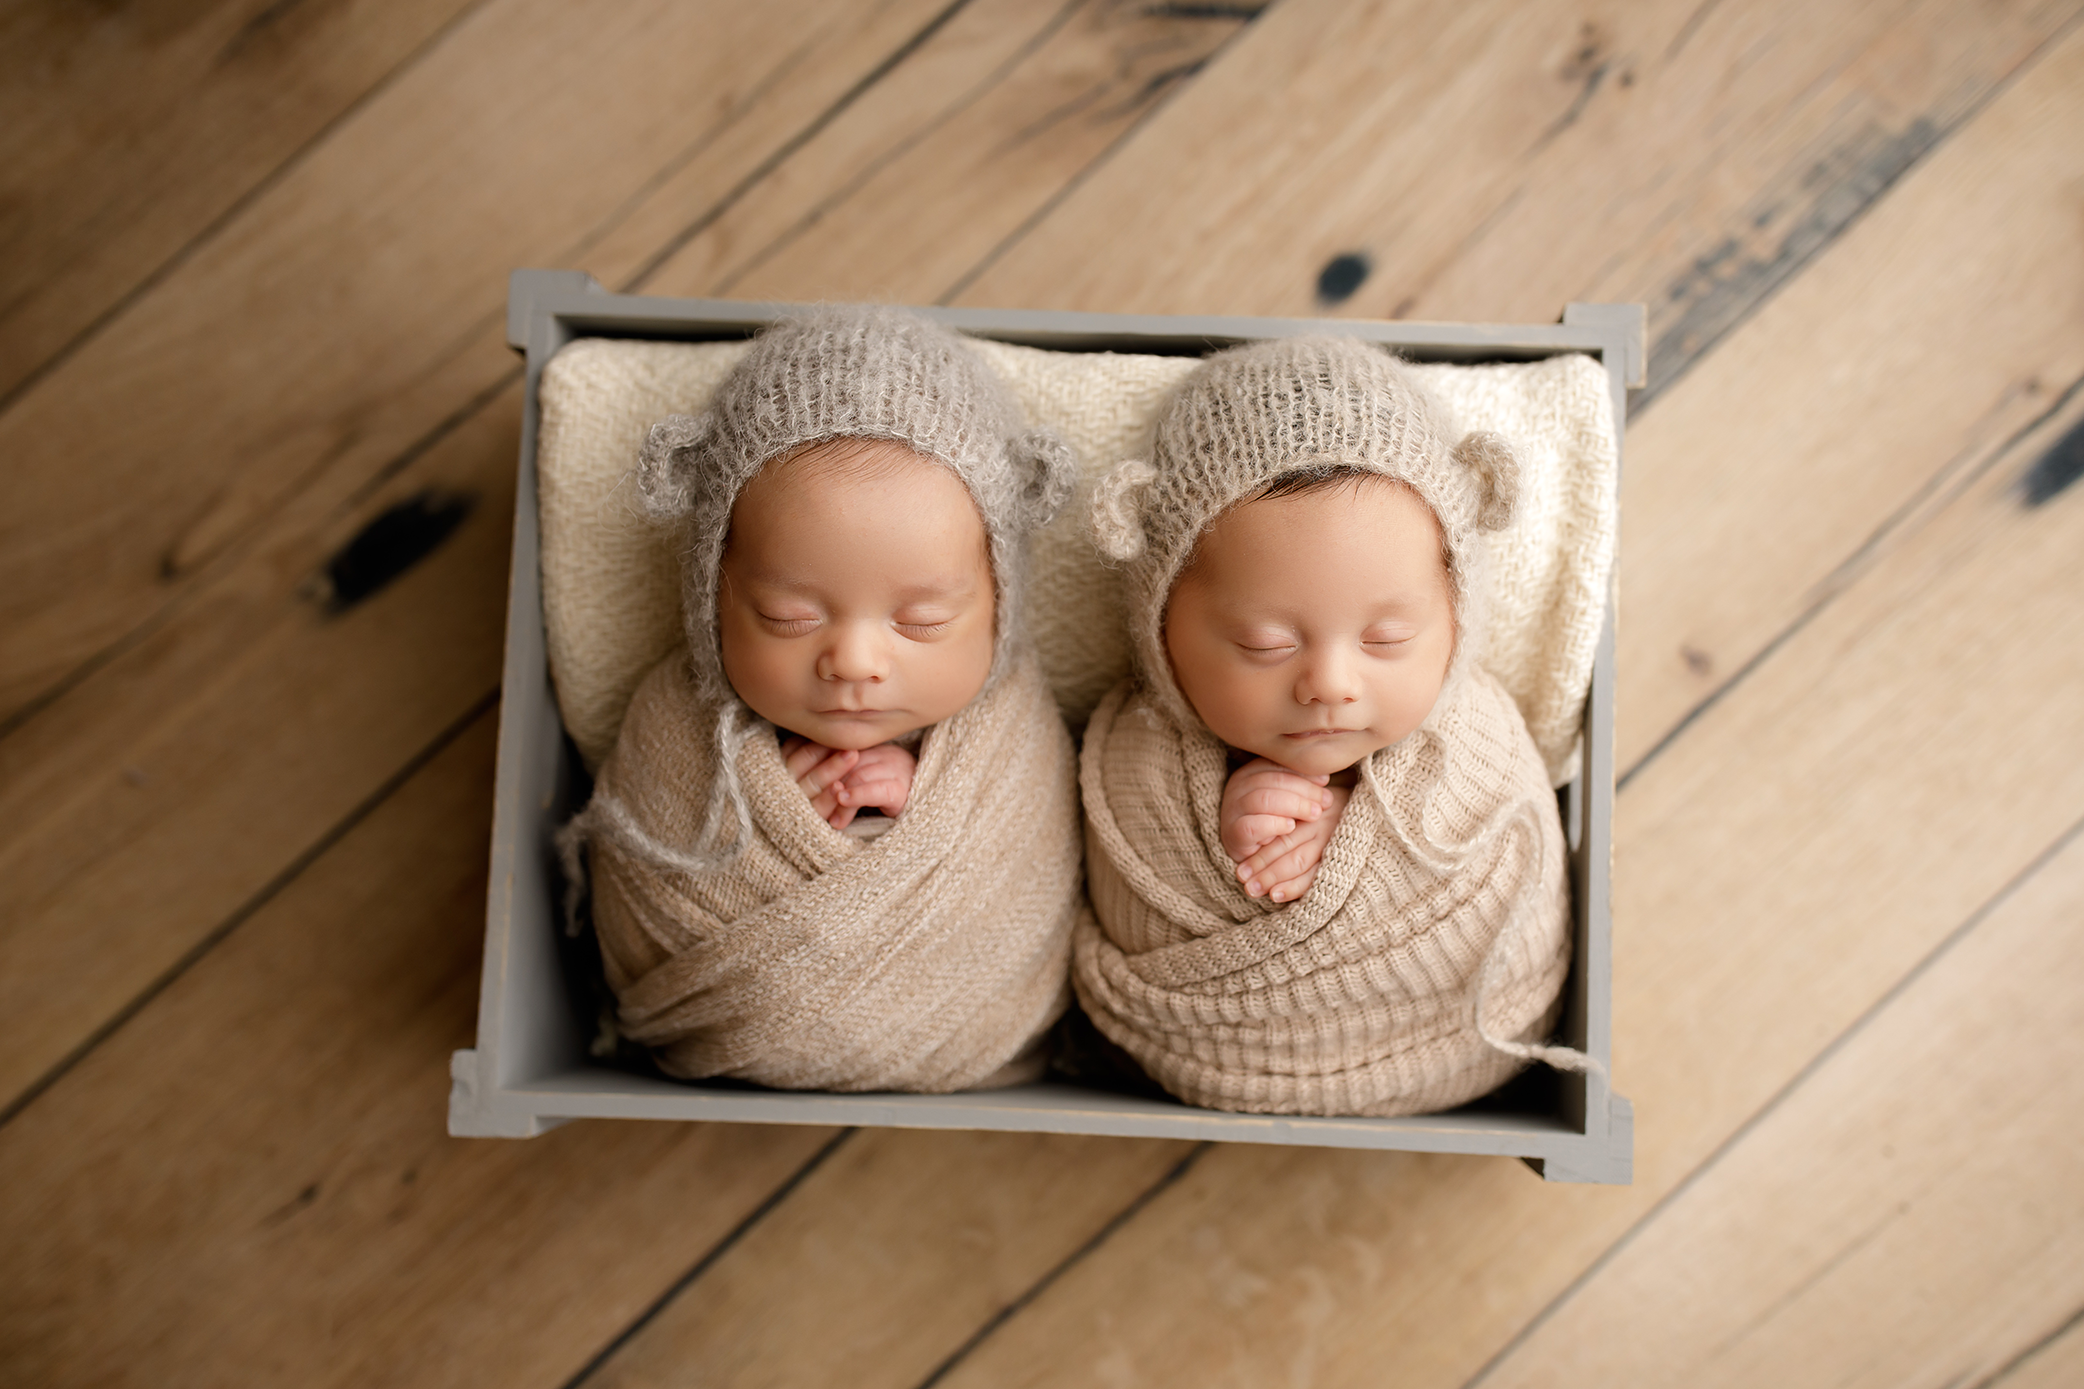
(855, 602)
(1315, 628)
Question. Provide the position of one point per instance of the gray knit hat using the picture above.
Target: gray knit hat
(1266, 410)
(860, 371)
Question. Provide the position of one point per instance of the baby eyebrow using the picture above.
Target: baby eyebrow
(772, 578)
(948, 590)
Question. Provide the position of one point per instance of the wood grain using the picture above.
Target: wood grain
(127, 131)
(939, 1232)
(169, 790)
(1782, 478)
(1907, 1215)
(2056, 1363)
(354, 308)
(1894, 762)
(240, 724)
(1494, 162)
(251, 1183)
(1004, 111)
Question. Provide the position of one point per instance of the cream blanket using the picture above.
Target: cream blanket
(930, 959)
(611, 580)
(1411, 977)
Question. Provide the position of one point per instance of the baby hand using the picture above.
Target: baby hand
(842, 783)
(1275, 824)
(1263, 801)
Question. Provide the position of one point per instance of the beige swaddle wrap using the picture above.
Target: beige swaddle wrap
(1423, 965)
(932, 958)
(1413, 974)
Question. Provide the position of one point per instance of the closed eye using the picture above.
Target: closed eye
(925, 629)
(789, 626)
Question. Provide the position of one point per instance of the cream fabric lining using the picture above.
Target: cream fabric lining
(611, 582)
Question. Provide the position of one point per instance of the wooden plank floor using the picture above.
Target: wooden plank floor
(252, 301)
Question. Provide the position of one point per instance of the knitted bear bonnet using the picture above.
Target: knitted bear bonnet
(859, 371)
(840, 371)
(1255, 414)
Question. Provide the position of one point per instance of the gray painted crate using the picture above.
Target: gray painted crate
(531, 1069)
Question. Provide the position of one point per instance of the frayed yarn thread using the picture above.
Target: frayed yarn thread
(606, 817)
(1490, 970)
(1488, 973)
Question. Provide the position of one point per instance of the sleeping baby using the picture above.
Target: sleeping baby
(1324, 855)
(836, 845)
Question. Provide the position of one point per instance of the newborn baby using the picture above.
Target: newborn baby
(836, 844)
(1311, 628)
(854, 608)
(1326, 863)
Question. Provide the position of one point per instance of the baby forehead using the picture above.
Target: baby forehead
(1317, 514)
(851, 456)
(869, 505)
(883, 473)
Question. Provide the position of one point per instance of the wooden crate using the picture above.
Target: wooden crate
(531, 1068)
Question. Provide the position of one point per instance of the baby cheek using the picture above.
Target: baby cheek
(761, 669)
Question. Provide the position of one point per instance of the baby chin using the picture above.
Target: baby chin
(848, 729)
(1320, 751)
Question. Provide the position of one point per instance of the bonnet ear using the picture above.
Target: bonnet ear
(1117, 515)
(1047, 471)
(665, 472)
(1497, 471)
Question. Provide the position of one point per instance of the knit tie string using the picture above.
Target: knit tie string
(1444, 859)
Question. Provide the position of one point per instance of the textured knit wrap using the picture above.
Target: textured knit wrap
(931, 958)
(1414, 975)
(1423, 965)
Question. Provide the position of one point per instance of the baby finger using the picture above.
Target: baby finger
(829, 771)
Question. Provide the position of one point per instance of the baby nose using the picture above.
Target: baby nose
(1328, 677)
(853, 655)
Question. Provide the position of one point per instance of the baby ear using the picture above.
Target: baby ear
(1117, 516)
(1047, 470)
(1497, 470)
(665, 472)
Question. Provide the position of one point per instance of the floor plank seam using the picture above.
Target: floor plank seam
(673, 167)
(247, 909)
(1842, 576)
(442, 429)
(216, 226)
(1043, 1284)
(239, 546)
(1947, 483)
(2018, 1362)
(1658, 384)
(1815, 1064)
(637, 279)
(710, 1257)
(1091, 166)
(859, 177)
